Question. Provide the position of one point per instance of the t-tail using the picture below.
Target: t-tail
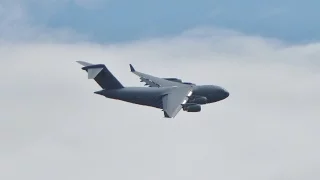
(101, 74)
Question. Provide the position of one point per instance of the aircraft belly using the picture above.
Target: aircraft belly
(146, 98)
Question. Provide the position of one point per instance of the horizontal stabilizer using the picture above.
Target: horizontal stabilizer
(84, 63)
(93, 70)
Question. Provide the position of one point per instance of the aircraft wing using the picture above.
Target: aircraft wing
(173, 100)
(153, 81)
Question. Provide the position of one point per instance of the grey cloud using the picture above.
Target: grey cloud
(54, 127)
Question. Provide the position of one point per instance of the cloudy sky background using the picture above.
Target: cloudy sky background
(52, 126)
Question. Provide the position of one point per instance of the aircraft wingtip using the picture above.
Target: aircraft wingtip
(132, 68)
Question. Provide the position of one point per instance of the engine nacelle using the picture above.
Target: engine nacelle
(193, 108)
(173, 79)
(199, 100)
(189, 83)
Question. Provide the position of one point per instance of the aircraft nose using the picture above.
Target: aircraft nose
(226, 93)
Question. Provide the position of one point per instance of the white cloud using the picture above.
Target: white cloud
(52, 126)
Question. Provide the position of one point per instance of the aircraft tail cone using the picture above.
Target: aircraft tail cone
(101, 92)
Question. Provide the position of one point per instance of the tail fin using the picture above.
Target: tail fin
(101, 74)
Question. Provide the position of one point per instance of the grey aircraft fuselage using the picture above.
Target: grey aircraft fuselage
(152, 96)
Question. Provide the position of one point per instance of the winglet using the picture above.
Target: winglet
(132, 69)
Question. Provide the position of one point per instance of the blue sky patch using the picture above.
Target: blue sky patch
(125, 20)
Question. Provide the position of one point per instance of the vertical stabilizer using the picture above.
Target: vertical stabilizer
(93, 72)
(101, 74)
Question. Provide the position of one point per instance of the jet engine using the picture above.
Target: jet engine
(192, 108)
(199, 100)
(189, 83)
(173, 79)
(179, 81)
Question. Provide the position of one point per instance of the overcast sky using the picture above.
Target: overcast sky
(52, 125)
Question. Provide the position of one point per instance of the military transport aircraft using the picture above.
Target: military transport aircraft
(169, 94)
